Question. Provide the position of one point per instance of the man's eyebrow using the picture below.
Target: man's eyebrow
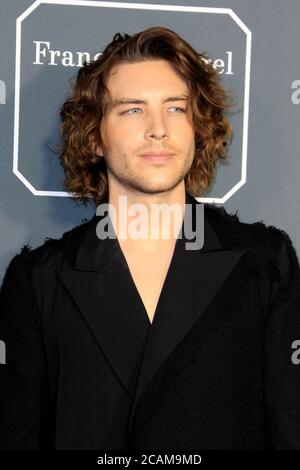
(123, 101)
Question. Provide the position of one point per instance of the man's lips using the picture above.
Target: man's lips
(157, 152)
(157, 156)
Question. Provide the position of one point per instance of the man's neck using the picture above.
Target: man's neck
(151, 226)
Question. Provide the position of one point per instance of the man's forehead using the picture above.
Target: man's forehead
(142, 91)
(143, 73)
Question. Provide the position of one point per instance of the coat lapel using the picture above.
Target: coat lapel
(100, 283)
(192, 282)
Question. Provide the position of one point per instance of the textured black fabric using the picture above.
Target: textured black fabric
(85, 370)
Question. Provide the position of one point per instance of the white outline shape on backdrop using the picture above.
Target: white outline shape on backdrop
(139, 6)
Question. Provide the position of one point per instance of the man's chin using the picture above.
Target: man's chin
(155, 188)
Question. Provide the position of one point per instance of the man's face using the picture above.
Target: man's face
(129, 130)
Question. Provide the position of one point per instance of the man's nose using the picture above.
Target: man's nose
(156, 126)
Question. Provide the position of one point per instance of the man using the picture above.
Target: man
(137, 342)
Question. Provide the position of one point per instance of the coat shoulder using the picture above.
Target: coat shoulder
(248, 234)
(269, 247)
(51, 252)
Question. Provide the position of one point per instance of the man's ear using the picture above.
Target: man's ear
(100, 148)
(99, 151)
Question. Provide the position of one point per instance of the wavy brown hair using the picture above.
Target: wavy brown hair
(85, 171)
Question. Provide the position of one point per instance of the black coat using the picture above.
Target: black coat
(220, 365)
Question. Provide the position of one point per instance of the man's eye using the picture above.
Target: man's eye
(181, 109)
(133, 109)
